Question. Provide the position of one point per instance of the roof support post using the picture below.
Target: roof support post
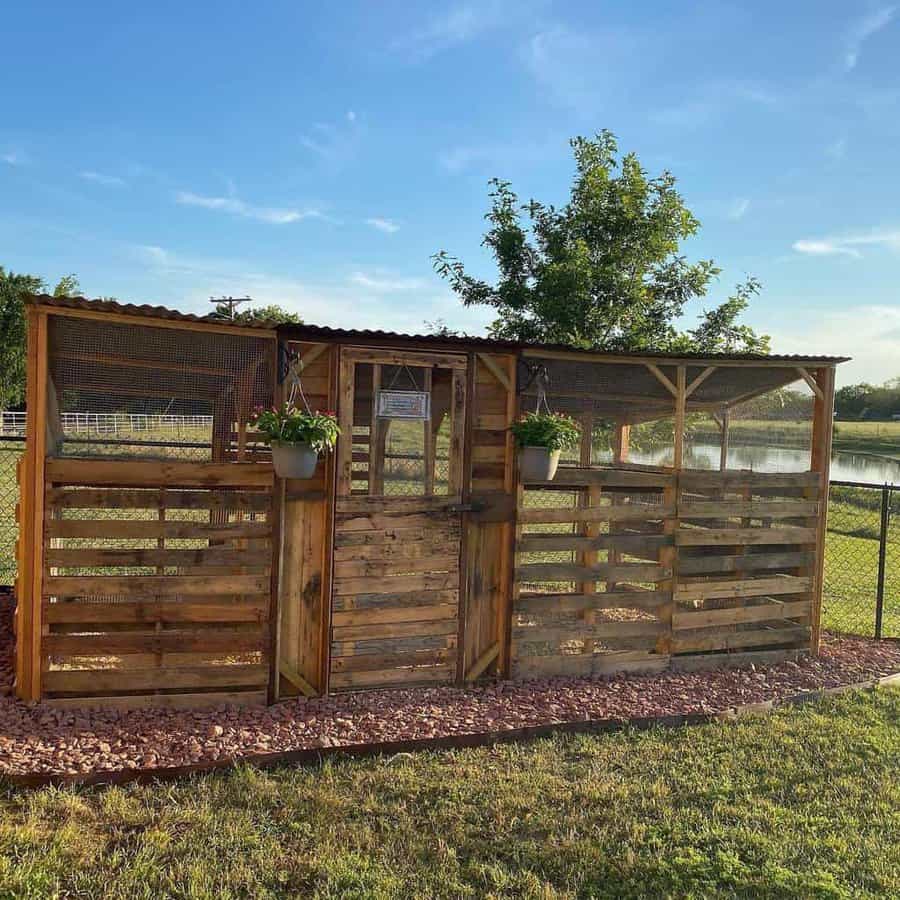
(680, 408)
(820, 461)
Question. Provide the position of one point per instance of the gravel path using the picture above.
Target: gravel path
(39, 739)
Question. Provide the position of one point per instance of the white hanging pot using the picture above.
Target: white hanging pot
(537, 463)
(294, 460)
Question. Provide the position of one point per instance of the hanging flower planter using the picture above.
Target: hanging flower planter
(297, 438)
(541, 437)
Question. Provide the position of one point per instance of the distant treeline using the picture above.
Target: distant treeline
(868, 401)
(854, 402)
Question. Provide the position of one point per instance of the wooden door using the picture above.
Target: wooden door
(395, 590)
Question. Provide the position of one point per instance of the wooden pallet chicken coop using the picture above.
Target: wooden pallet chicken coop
(164, 563)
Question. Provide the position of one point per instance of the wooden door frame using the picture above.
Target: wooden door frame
(462, 365)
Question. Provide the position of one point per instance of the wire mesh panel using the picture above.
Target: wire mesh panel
(139, 390)
(862, 560)
(10, 454)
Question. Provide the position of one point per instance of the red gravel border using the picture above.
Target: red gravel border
(41, 744)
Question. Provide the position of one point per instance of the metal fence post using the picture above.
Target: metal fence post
(882, 553)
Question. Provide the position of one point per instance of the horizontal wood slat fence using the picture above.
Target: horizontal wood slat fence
(157, 583)
(619, 570)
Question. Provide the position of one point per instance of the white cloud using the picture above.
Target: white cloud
(388, 226)
(849, 244)
(739, 208)
(713, 101)
(837, 149)
(869, 334)
(861, 30)
(13, 158)
(100, 178)
(381, 283)
(351, 116)
(460, 23)
(233, 205)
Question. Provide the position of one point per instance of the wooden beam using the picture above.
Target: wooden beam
(29, 586)
(699, 380)
(345, 420)
(483, 661)
(656, 359)
(621, 441)
(725, 425)
(376, 450)
(495, 370)
(153, 322)
(289, 673)
(662, 379)
(820, 461)
(680, 402)
(813, 384)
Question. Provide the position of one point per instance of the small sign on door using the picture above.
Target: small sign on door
(403, 405)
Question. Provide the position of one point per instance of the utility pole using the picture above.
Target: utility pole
(231, 302)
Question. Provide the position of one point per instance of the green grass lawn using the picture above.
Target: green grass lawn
(800, 804)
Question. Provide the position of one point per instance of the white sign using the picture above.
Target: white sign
(403, 405)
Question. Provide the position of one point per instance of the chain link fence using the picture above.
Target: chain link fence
(10, 454)
(862, 560)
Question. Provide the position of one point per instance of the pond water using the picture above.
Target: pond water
(845, 465)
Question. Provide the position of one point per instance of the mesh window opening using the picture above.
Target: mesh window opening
(149, 392)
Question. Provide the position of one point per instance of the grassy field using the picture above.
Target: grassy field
(800, 804)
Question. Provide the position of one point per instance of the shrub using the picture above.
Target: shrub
(289, 425)
(555, 431)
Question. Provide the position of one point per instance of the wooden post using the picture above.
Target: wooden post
(429, 444)
(621, 441)
(29, 587)
(725, 427)
(680, 404)
(820, 461)
(376, 448)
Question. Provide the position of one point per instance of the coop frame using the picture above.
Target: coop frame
(331, 584)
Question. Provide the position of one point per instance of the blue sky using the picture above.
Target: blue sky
(316, 155)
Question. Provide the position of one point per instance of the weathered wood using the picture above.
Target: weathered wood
(88, 557)
(820, 463)
(371, 568)
(756, 509)
(764, 612)
(643, 511)
(748, 562)
(703, 537)
(374, 662)
(481, 664)
(408, 676)
(157, 473)
(630, 478)
(138, 529)
(424, 582)
(692, 480)
(406, 358)
(538, 604)
(159, 585)
(381, 615)
(599, 571)
(557, 633)
(751, 587)
(734, 660)
(632, 544)
(584, 665)
(149, 498)
(371, 631)
(733, 640)
(87, 682)
(164, 701)
(150, 611)
(187, 640)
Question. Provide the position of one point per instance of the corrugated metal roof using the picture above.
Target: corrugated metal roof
(324, 332)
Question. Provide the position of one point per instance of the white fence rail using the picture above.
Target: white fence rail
(12, 424)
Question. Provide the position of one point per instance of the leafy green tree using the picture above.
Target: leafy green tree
(272, 313)
(604, 271)
(13, 291)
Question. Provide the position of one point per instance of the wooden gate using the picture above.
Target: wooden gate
(395, 593)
